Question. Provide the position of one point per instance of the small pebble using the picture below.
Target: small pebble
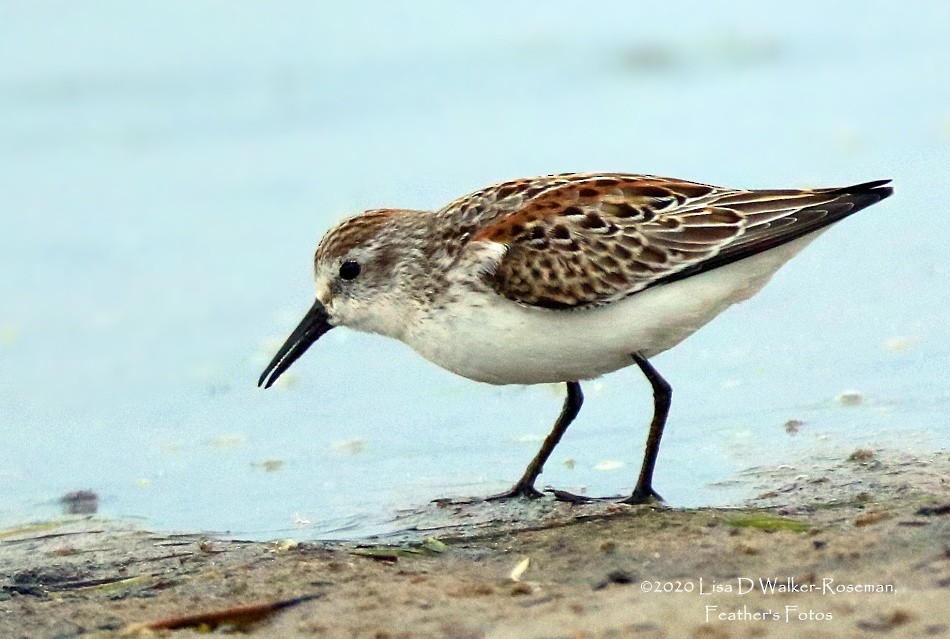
(616, 577)
(899, 616)
(792, 426)
(850, 398)
(80, 502)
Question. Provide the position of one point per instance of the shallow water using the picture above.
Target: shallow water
(166, 171)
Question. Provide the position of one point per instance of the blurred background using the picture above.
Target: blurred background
(167, 169)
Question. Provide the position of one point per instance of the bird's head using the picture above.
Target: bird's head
(359, 270)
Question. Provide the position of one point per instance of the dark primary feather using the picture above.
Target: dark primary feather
(768, 235)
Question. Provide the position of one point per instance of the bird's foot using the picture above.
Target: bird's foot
(518, 491)
(642, 495)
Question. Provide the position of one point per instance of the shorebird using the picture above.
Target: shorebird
(562, 278)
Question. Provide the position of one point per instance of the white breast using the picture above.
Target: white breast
(499, 341)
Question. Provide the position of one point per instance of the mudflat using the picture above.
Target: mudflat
(852, 546)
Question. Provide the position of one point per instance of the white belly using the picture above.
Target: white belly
(504, 342)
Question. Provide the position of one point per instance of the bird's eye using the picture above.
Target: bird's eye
(349, 270)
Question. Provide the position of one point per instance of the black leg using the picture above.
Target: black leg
(662, 394)
(525, 486)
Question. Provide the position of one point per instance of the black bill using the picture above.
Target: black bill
(314, 324)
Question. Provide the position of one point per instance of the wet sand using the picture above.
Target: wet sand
(854, 546)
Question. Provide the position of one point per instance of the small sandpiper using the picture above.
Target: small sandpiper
(562, 278)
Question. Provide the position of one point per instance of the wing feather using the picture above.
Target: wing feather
(578, 240)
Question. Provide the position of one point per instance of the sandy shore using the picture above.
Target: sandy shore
(851, 547)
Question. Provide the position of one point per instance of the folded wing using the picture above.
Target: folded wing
(590, 239)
